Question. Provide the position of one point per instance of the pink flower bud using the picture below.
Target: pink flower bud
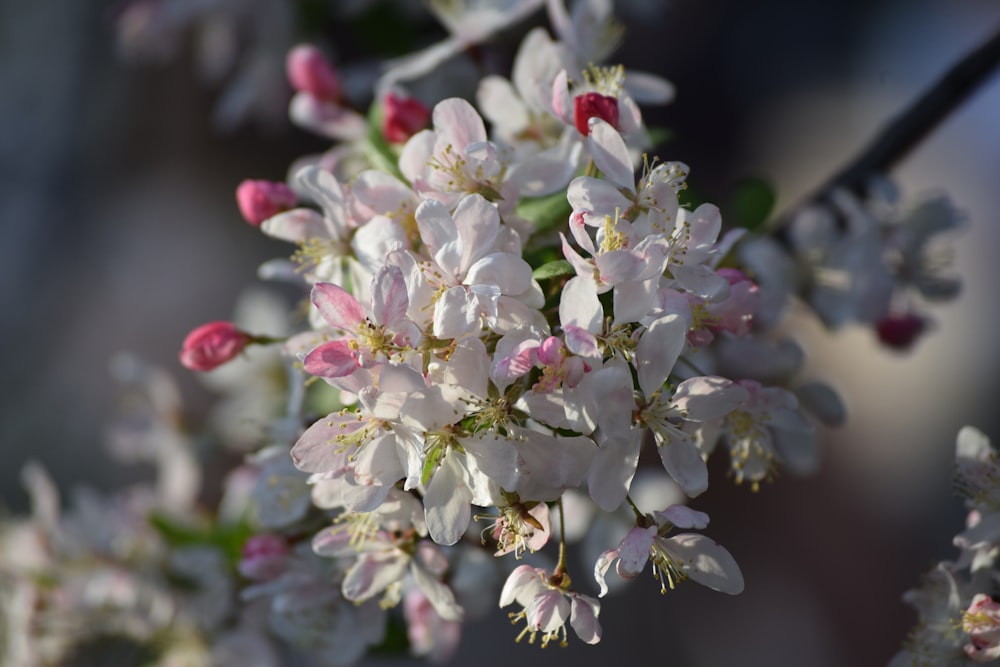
(310, 72)
(402, 117)
(212, 345)
(900, 331)
(260, 200)
(594, 105)
(263, 557)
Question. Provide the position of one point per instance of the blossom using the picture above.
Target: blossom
(547, 605)
(676, 558)
(982, 622)
(367, 340)
(213, 344)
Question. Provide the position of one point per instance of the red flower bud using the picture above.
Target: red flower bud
(212, 345)
(900, 331)
(402, 117)
(310, 72)
(259, 200)
(594, 105)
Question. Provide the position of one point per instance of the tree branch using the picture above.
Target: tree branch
(909, 128)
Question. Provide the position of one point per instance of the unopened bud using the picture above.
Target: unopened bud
(212, 345)
(900, 331)
(310, 72)
(594, 105)
(260, 200)
(402, 117)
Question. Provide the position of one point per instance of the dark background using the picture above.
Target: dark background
(119, 231)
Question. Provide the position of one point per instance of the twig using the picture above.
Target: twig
(910, 127)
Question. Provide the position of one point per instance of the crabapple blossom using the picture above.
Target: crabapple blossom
(675, 559)
(982, 622)
(368, 340)
(547, 605)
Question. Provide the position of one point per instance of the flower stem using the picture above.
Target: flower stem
(561, 566)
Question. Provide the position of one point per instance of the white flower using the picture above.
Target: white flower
(547, 605)
(676, 558)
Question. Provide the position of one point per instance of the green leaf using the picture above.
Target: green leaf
(226, 537)
(555, 269)
(750, 203)
(545, 212)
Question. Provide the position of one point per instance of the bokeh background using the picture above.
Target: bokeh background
(120, 232)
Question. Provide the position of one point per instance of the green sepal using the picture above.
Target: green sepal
(378, 150)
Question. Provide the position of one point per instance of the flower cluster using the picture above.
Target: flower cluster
(513, 325)
(511, 313)
(959, 617)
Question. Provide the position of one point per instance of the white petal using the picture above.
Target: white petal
(583, 619)
(438, 594)
(610, 154)
(447, 502)
(601, 569)
(456, 313)
(372, 574)
(612, 470)
(657, 352)
(509, 272)
(648, 88)
(709, 397)
(706, 562)
(476, 224)
(458, 124)
(593, 194)
(684, 464)
(580, 306)
(295, 226)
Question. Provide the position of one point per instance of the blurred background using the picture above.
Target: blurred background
(120, 232)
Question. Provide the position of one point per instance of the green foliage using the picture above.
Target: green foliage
(749, 204)
(546, 212)
(554, 269)
(227, 538)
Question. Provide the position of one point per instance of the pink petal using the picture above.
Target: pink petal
(337, 306)
(331, 360)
